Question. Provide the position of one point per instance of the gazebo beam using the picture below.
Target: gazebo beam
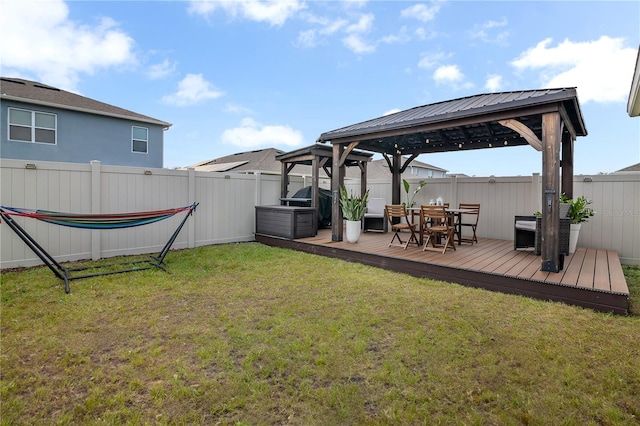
(526, 133)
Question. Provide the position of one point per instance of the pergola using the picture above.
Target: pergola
(549, 120)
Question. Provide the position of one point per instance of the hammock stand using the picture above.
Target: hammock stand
(95, 221)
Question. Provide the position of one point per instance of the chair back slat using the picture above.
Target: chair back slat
(396, 211)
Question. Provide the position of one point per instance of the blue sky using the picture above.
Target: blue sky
(234, 76)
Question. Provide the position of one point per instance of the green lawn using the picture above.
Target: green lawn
(248, 334)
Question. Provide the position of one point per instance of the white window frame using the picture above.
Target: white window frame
(33, 126)
(133, 140)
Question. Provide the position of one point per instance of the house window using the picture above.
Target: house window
(139, 139)
(32, 126)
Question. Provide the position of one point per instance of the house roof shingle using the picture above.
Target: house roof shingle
(632, 168)
(262, 160)
(379, 169)
(32, 92)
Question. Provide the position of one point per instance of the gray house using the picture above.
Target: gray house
(49, 124)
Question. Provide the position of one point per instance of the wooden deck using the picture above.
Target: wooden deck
(590, 278)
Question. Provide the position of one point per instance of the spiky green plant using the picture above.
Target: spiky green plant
(353, 206)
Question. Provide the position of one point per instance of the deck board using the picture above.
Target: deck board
(572, 269)
(601, 274)
(616, 276)
(585, 278)
(591, 277)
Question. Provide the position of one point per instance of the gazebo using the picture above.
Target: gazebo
(549, 120)
(319, 157)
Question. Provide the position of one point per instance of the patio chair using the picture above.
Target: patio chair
(527, 232)
(399, 221)
(468, 220)
(437, 224)
(374, 219)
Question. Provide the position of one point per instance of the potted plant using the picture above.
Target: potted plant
(579, 212)
(353, 209)
(410, 201)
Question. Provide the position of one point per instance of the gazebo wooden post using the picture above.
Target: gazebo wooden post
(395, 178)
(550, 245)
(284, 182)
(337, 180)
(363, 177)
(567, 164)
(315, 191)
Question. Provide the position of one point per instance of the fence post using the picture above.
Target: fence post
(454, 191)
(257, 200)
(536, 190)
(96, 196)
(191, 227)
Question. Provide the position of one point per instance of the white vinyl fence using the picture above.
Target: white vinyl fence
(226, 214)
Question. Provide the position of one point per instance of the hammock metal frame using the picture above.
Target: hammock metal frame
(64, 273)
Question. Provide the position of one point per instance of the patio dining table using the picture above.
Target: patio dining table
(455, 213)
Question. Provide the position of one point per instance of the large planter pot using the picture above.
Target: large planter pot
(353, 231)
(574, 233)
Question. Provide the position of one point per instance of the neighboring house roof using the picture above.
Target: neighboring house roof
(633, 105)
(261, 160)
(379, 169)
(32, 92)
(633, 168)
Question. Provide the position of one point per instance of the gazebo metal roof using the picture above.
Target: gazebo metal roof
(466, 123)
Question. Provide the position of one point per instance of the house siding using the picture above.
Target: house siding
(83, 137)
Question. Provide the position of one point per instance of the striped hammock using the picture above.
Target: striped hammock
(97, 221)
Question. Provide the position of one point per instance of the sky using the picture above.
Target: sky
(235, 76)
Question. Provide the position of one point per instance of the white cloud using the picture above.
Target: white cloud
(421, 12)
(39, 39)
(452, 76)
(307, 38)
(402, 36)
(316, 36)
(192, 89)
(493, 83)
(273, 12)
(484, 32)
(447, 74)
(421, 34)
(355, 43)
(237, 109)
(601, 69)
(355, 40)
(392, 111)
(252, 134)
(429, 60)
(161, 70)
(363, 25)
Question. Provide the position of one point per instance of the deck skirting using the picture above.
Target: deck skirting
(523, 278)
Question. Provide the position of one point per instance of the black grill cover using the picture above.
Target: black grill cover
(324, 204)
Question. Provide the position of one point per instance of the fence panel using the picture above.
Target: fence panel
(226, 210)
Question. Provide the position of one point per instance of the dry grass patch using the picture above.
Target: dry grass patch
(248, 334)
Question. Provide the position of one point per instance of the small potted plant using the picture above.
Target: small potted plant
(353, 209)
(579, 213)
